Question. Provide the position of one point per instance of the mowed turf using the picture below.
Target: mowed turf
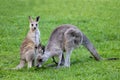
(99, 20)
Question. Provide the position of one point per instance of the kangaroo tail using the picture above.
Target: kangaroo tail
(111, 58)
(20, 65)
(108, 58)
(87, 44)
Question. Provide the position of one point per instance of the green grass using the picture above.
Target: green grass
(98, 19)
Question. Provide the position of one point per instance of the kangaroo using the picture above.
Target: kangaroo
(66, 38)
(29, 47)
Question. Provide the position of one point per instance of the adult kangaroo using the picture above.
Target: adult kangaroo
(66, 38)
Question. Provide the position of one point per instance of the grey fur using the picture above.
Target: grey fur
(66, 38)
(86, 42)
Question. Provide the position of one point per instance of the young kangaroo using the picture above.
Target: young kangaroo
(29, 47)
(66, 38)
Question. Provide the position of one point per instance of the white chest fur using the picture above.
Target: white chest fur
(35, 36)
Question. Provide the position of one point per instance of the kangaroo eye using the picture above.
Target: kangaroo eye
(31, 24)
(36, 24)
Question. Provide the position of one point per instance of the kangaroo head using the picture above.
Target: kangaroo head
(39, 60)
(41, 49)
(34, 23)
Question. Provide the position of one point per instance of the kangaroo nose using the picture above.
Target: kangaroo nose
(34, 27)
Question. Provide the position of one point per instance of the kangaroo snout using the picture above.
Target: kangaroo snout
(34, 28)
(38, 66)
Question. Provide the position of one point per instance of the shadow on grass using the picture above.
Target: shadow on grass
(48, 66)
(73, 62)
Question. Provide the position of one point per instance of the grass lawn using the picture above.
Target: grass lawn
(98, 19)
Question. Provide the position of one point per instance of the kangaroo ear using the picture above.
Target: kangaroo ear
(30, 19)
(37, 18)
